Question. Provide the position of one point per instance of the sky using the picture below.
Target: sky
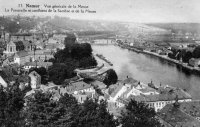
(118, 10)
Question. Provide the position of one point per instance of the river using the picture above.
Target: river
(146, 68)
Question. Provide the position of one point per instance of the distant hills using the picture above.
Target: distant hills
(179, 27)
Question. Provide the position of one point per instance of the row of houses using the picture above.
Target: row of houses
(157, 98)
(33, 78)
(174, 106)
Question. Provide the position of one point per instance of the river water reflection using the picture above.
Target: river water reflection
(146, 68)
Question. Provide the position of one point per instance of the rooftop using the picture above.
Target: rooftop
(175, 117)
(116, 89)
(98, 84)
(130, 81)
(21, 54)
(167, 96)
(76, 86)
(192, 108)
(147, 89)
(40, 63)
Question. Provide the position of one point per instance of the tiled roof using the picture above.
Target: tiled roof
(99, 84)
(121, 100)
(162, 96)
(41, 52)
(76, 86)
(126, 92)
(192, 108)
(175, 117)
(147, 89)
(21, 54)
(26, 43)
(116, 90)
(130, 81)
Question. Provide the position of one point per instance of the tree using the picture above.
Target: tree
(71, 109)
(81, 50)
(42, 111)
(75, 55)
(11, 105)
(95, 114)
(138, 114)
(187, 56)
(110, 78)
(86, 62)
(68, 101)
(59, 72)
(61, 56)
(196, 52)
(174, 53)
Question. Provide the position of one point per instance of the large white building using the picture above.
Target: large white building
(155, 98)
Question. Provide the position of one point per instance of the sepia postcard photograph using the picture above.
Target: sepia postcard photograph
(99, 63)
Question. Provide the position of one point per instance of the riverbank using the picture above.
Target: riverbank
(164, 57)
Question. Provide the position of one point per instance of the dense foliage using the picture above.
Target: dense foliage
(94, 114)
(196, 52)
(73, 56)
(11, 106)
(59, 72)
(138, 114)
(111, 77)
(41, 110)
(185, 55)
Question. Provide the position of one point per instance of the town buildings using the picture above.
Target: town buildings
(156, 98)
(26, 50)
